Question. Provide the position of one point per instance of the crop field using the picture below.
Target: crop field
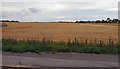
(61, 31)
(61, 37)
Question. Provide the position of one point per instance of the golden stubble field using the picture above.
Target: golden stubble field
(61, 31)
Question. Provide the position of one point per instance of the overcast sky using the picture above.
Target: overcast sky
(59, 11)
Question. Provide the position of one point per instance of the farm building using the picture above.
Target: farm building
(3, 24)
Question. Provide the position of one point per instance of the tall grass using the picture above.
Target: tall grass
(45, 45)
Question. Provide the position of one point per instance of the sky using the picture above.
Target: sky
(56, 10)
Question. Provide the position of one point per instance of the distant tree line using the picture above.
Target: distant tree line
(108, 20)
(9, 21)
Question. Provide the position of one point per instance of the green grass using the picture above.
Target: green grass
(12, 45)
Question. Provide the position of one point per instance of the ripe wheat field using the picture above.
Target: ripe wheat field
(61, 31)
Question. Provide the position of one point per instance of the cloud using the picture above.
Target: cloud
(33, 10)
(28, 11)
(60, 0)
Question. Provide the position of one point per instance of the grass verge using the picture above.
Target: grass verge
(44, 45)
